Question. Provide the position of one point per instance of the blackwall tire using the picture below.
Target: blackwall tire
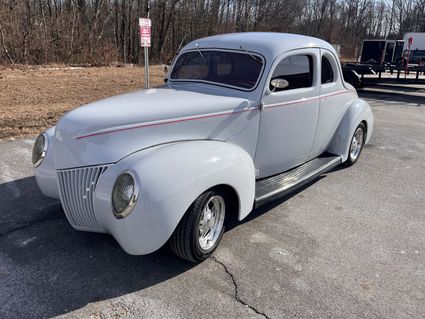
(201, 228)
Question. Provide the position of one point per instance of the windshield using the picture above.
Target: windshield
(239, 70)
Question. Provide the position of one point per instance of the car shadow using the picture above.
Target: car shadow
(392, 97)
(49, 269)
(263, 209)
(22, 204)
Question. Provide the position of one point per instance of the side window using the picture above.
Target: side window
(297, 70)
(327, 73)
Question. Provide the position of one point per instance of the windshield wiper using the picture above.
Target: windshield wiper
(252, 55)
(199, 50)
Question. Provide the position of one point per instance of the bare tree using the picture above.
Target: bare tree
(105, 31)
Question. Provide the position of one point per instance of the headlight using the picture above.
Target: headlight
(124, 195)
(39, 150)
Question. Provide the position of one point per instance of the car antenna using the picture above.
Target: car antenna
(252, 56)
(199, 50)
(181, 43)
(177, 52)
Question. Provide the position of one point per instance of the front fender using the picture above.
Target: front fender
(357, 112)
(171, 177)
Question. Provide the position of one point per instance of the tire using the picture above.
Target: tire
(356, 144)
(200, 223)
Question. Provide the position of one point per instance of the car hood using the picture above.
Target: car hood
(108, 130)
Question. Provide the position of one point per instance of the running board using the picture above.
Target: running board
(276, 186)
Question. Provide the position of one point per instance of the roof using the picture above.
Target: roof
(269, 44)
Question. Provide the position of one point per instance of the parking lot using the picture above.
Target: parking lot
(349, 245)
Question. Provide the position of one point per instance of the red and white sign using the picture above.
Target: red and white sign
(145, 32)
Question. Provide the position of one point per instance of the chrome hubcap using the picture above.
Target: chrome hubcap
(356, 144)
(211, 222)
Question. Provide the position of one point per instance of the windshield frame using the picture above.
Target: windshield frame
(249, 53)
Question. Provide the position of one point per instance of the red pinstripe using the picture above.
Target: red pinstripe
(207, 116)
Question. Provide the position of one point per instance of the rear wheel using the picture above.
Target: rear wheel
(356, 145)
(201, 228)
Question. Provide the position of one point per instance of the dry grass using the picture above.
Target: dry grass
(33, 99)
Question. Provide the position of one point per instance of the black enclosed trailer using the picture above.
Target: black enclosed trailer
(379, 51)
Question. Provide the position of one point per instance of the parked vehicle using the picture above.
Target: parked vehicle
(414, 50)
(416, 57)
(243, 119)
(418, 41)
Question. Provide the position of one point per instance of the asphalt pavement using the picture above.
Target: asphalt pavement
(349, 245)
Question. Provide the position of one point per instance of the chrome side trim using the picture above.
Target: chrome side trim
(279, 185)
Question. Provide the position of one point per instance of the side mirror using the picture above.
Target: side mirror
(279, 84)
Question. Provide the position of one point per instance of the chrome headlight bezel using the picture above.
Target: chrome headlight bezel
(133, 198)
(42, 150)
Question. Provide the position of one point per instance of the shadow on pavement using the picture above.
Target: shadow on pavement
(22, 204)
(271, 205)
(48, 269)
(393, 97)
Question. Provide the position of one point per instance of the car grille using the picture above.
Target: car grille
(77, 188)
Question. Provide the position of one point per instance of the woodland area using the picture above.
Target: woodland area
(99, 32)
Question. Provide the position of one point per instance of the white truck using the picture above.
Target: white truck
(417, 47)
(418, 41)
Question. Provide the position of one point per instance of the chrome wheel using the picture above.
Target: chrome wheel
(211, 222)
(356, 144)
(200, 230)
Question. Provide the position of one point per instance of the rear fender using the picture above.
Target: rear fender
(357, 112)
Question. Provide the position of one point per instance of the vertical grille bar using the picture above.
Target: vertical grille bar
(91, 186)
(86, 181)
(77, 188)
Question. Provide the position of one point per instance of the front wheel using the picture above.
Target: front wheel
(356, 145)
(201, 228)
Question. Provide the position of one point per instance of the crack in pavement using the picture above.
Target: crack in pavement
(236, 294)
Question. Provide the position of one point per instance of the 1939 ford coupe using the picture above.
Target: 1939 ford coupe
(242, 119)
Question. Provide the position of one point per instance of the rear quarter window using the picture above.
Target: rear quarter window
(327, 72)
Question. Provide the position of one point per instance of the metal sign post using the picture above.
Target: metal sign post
(145, 42)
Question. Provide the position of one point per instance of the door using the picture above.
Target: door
(389, 51)
(289, 115)
(334, 98)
